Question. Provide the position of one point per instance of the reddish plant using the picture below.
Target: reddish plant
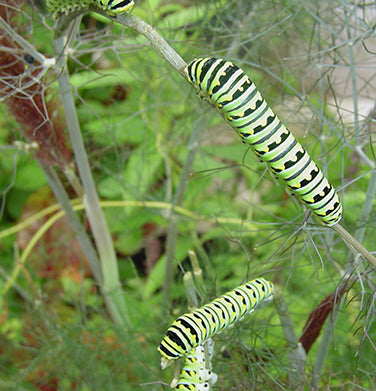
(26, 95)
(317, 318)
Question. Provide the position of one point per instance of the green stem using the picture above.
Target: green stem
(354, 77)
(296, 353)
(352, 243)
(111, 287)
(197, 272)
(366, 208)
(156, 40)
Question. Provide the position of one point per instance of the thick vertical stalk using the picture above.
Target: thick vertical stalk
(111, 287)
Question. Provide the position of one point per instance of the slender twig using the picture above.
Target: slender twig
(77, 205)
(27, 46)
(190, 290)
(354, 77)
(197, 272)
(366, 208)
(353, 244)
(155, 39)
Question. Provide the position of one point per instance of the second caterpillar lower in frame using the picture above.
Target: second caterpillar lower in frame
(231, 91)
(194, 328)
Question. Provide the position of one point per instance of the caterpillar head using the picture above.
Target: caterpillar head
(116, 7)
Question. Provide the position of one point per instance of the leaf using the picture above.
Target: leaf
(139, 175)
(29, 176)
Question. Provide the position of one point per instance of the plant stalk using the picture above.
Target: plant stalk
(111, 287)
(155, 39)
(296, 353)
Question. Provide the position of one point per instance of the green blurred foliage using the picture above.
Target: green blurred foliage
(137, 116)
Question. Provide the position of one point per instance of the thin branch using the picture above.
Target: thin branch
(155, 39)
(353, 244)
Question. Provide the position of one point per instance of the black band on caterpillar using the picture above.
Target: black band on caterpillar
(194, 328)
(230, 90)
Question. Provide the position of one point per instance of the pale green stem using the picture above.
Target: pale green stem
(111, 287)
(197, 271)
(296, 353)
(156, 40)
(189, 285)
(353, 244)
(172, 235)
(353, 77)
(27, 46)
(367, 208)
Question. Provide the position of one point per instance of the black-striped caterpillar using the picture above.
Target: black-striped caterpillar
(111, 7)
(230, 90)
(194, 328)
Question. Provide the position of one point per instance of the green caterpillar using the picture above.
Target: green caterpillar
(230, 90)
(111, 7)
(194, 328)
